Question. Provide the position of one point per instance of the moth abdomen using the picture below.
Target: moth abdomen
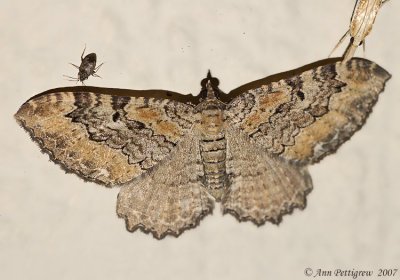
(213, 156)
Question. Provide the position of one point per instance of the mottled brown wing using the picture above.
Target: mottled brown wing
(262, 187)
(104, 138)
(308, 116)
(170, 198)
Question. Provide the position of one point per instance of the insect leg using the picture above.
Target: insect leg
(76, 66)
(340, 41)
(363, 43)
(98, 67)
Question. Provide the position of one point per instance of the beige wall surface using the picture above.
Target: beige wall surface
(55, 226)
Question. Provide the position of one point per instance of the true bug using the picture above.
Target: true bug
(86, 68)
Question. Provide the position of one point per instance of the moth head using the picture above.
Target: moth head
(209, 87)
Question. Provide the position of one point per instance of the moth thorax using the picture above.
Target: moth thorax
(212, 121)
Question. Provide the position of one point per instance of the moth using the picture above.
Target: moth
(362, 20)
(86, 68)
(174, 156)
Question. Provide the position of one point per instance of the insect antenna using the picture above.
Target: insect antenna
(72, 79)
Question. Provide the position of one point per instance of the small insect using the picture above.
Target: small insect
(87, 67)
(362, 20)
